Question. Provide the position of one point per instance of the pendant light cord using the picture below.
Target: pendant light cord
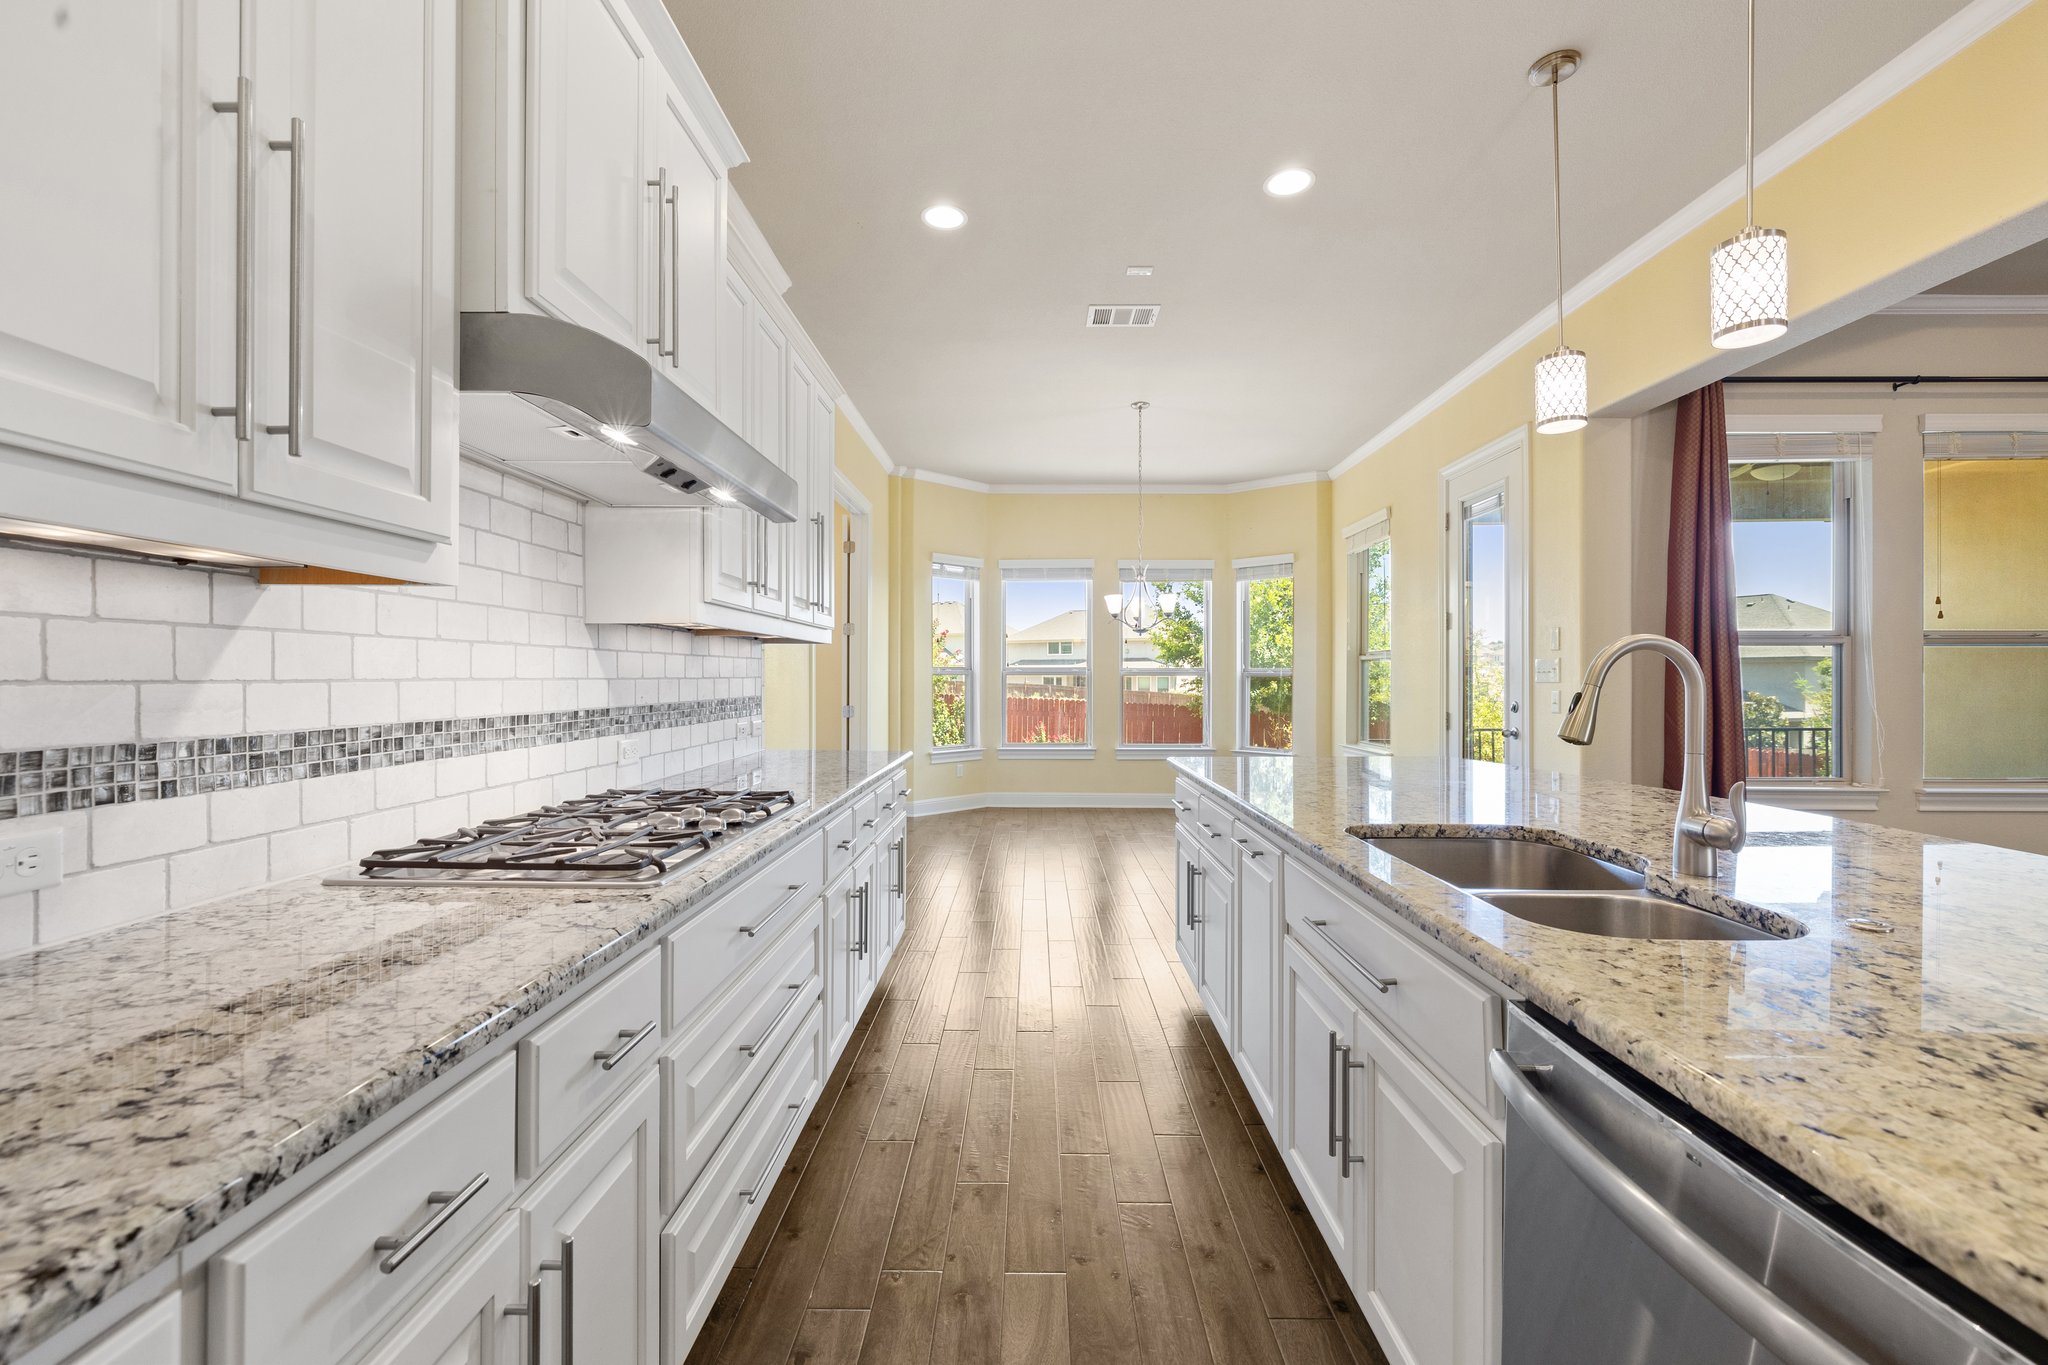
(1557, 199)
(1749, 135)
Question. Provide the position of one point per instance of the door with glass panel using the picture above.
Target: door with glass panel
(1483, 715)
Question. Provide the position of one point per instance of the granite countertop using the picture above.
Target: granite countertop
(1903, 1074)
(157, 1078)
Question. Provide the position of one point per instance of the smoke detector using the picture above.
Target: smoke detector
(1123, 315)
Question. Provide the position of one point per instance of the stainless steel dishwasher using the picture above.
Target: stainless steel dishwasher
(1638, 1234)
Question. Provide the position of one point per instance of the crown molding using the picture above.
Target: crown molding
(1097, 489)
(661, 30)
(1969, 305)
(1947, 39)
(867, 435)
(746, 242)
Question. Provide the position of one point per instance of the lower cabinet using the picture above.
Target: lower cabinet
(1214, 921)
(476, 1315)
(1187, 900)
(154, 1336)
(1255, 954)
(590, 1238)
(842, 959)
(1316, 1035)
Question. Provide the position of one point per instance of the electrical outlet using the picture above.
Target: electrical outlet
(959, 770)
(633, 749)
(29, 862)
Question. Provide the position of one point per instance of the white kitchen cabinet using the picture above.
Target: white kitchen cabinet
(355, 397)
(728, 533)
(1427, 1260)
(1321, 1070)
(896, 872)
(869, 930)
(464, 1319)
(154, 1336)
(1187, 909)
(1255, 953)
(842, 960)
(117, 308)
(767, 389)
(800, 397)
(1214, 922)
(591, 1225)
(688, 245)
(819, 528)
(589, 209)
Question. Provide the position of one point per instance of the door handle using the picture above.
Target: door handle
(1333, 1092)
(568, 1264)
(446, 1203)
(294, 427)
(242, 106)
(530, 1310)
(752, 929)
(1193, 873)
(608, 1060)
(774, 1156)
(1382, 984)
(675, 273)
(1344, 1105)
(754, 1049)
(659, 341)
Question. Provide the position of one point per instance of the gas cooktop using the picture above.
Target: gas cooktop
(629, 838)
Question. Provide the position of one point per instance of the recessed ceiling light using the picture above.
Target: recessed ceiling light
(943, 217)
(1291, 181)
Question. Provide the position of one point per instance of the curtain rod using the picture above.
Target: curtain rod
(1897, 381)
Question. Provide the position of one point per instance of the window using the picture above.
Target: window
(956, 609)
(1985, 615)
(1166, 670)
(1048, 614)
(1265, 698)
(1369, 551)
(1790, 498)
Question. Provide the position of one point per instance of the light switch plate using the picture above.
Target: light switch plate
(1546, 670)
(632, 748)
(31, 861)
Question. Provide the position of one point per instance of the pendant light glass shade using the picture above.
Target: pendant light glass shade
(1561, 392)
(1750, 295)
(1140, 610)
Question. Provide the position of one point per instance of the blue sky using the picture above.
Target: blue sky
(1792, 558)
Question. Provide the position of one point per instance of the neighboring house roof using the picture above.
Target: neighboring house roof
(1068, 625)
(1773, 611)
(950, 617)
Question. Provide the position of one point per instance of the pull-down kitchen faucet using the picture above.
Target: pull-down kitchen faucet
(1699, 834)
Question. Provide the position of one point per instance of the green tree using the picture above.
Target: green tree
(949, 694)
(1178, 638)
(1761, 711)
(1817, 690)
(1269, 643)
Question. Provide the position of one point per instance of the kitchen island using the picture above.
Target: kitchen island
(1891, 1055)
(167, 1085)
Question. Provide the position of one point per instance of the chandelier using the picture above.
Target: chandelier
(1561, 374)
(1139, 610)
(1749, 297)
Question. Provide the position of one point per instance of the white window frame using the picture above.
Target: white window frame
(1360, 536)
(963, 569)
(1171, 571)
(1974, 436)
(1080, 571)
(1247, 572)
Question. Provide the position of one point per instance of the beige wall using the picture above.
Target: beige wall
(939, 519)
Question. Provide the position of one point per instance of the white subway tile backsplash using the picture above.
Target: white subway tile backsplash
(236, 690)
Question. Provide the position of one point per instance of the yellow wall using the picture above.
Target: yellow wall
(1929, 184)
(939, 519)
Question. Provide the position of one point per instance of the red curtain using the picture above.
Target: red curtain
(1699, 593)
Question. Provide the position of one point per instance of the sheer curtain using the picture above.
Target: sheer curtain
(1699, 594)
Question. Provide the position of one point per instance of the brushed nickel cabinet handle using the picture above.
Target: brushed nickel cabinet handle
(242, 106)
(1382, 984)
(754, 1049)
(294, 428)
(774, 1156)
(752, 929)
(1333, 1092)
(447, 1204)
(568, 1264)
(659, 341)
(1344, 1104)
(675, 288)
(633, 1039)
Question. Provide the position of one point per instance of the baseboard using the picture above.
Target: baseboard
(942, 805)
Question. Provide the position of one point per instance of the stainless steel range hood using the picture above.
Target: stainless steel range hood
(588, 413)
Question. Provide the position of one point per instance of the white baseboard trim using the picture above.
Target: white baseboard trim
(942, 805)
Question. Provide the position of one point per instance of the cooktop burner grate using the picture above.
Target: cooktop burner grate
(635, 837)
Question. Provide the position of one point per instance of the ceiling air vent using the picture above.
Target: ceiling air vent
(1123, 315)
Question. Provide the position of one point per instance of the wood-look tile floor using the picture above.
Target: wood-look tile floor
(1035, 1149)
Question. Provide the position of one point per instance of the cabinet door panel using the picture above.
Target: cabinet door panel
(692, 241)
(462, 1320)
(1316, 1026)
(371, 84)
(1187, 906)
(767, 381)
(154, 1336)
(1255, 948)
(1426, 1266)
(728, 549)
(842, 968)
(117, 303)
(1217, 915)
(801, 537)
(588, 204)
(602, 1196)
(824, 434)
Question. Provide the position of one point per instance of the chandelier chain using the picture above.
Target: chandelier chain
(1749, 134)
(1557, 198)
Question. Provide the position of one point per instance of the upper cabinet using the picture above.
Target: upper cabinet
(689, 246)
(239, 331)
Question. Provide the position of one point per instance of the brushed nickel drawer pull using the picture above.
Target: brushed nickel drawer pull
(568, 1264)
(754, 1049)
(294, 428)
(752, 929)
(1382, 984)
(242, 106)
(1344, 1102)
(448, 1203)
(774, 1154)
(618, 1054)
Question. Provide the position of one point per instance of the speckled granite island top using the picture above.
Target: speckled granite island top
(1904, 1074)
(157, 1078)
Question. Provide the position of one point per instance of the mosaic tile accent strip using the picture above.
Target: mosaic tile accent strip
(42, 781)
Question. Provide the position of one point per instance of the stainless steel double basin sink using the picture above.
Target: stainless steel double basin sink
(1560, 887)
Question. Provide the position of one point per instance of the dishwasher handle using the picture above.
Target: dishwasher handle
(1781, 1329)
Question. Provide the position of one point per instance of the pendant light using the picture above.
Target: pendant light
(1140, 610)
(1749, 297)
(1561, 375)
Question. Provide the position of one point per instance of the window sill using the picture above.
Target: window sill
(955, 755)
(1046, 751)
(1128, 751)
(1262, 753)
(1966, 796)
(1816, 796)
(1366, 750)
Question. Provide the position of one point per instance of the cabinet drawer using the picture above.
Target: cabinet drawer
(714, 1069)
(1185, 801)
(839, 842)
(867, 818)
(1252, 845)
(575, 1065)
(1450, 1021)
(699, 1244)
(895, 799)
(709, 953)
(1212, 827)
(309, 1285)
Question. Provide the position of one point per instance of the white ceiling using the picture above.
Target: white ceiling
(1083, 136)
